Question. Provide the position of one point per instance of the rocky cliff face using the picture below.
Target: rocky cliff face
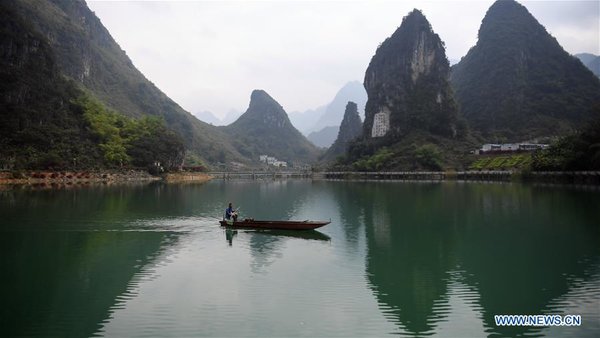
(350, 129)
(407, 84)
(518, 83)
(265, 129)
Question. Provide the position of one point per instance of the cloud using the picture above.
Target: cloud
(211, 55)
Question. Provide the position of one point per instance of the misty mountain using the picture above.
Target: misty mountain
(325, 137)
(230, 117)
(208, 117)
(334, 113)
(518, 83)
(266, 129)
(331, 114)
(304, 121)
(591, 61)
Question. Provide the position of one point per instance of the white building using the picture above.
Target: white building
(509, 147)
(490, 147)
(263, 158)
(532, 146)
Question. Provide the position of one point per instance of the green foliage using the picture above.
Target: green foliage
(108, 126)
(192, 160)
(580, 151)
(429, 156)
(142, 142)
(376, 162)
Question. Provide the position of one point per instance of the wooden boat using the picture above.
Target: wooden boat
(279, 225)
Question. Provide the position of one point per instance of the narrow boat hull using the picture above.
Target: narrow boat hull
(279, 225)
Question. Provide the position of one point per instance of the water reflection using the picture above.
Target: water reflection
(409, 258)
(300, 234)
(266, 246)
(520, 248)
(229, 234)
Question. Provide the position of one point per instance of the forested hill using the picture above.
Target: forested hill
(48, 121)
(265, 129)
(518, 83)
(83, 52)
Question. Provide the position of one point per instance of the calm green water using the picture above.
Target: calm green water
(414, 259)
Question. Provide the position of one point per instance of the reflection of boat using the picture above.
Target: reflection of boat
(304, 234)
(280, 225)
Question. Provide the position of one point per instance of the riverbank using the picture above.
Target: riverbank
(564, 177)
(58, 178)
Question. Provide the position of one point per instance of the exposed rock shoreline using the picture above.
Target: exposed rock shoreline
(59, 178)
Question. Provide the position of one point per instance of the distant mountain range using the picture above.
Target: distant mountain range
(331, 114)
(325, 137)
(208, 117)
(591, 61)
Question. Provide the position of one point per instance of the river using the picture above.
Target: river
(406, 258)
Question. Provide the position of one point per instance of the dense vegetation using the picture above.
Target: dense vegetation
(144, 142)
(578, 151)
(418, 150)
(517, 83)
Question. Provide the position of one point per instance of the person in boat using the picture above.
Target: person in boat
(230, 213)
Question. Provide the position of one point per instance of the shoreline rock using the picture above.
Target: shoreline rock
(185, 177)
(72, 177)
(47, 178)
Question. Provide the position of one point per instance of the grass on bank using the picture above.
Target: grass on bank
(501, 162)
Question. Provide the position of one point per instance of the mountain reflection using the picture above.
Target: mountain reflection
(67, 269)
(520, 248)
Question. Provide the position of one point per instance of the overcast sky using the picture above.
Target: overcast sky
(209, 55)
